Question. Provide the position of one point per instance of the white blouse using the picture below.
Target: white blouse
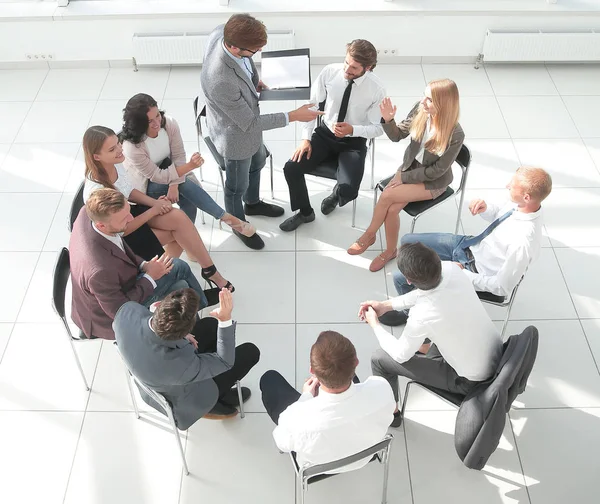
(426, 136)
(123, 184)
(158, 148)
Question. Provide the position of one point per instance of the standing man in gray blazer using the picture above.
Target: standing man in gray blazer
(195, 372)
(231, 85)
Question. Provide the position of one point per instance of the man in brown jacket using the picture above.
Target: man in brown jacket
(105, 273)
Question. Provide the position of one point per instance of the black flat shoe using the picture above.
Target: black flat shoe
(394, 318)
(254, 242)
(207, 273)
(231, 397)
(329, 203)
(295, 221)
(397, 421)
(262, 208)
(221, 411)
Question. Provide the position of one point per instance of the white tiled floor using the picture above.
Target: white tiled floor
(62, 444)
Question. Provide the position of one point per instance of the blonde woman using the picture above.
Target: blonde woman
(425, 173)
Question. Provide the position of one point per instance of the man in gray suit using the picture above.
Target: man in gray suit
(231, 84)
(196, 372)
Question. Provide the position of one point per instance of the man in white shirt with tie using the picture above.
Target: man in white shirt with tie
(335, 416)
(496, 259)
(351, 94)
(457, 342)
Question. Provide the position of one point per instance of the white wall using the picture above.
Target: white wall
(434, 37)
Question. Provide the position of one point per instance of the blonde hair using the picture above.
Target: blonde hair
(104, 202)
(93, 140)
(536, 182)
(444, 95)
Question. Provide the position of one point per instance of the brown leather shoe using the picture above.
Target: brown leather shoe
(382, 259)
(362, 244)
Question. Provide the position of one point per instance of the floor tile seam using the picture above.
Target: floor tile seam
(524, 482)
(166, 84)
(565, 105)
(29, 109)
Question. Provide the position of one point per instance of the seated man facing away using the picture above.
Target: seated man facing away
(196, 372)
(444, 309)
(496, 259)
(333, 418)
(105, 273)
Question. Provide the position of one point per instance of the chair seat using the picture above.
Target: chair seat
(327, 169)
(455, 399)
(491, 298)
(418, 207)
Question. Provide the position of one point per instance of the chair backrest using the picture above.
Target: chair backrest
(156, 396)
(464, 161)
(481, 418)
(310, 471)
(76, 206)
(62, 271)
(494, 299)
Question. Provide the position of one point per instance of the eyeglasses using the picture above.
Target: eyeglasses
(249, 50)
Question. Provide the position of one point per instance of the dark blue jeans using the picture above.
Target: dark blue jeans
(242, 182)
(447, 246)
(180, 277)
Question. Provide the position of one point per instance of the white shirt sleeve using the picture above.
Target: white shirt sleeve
(491, 212)
(317, 95)
(514, 267)
(407, 300)
(403, 348)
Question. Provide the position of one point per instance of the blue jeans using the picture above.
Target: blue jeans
(191, 197)
(447, 246)
(243, 182)
(180, 277)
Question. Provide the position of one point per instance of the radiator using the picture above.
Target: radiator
(541, 46)
(188, 48)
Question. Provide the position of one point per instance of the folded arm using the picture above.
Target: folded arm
(138, 159)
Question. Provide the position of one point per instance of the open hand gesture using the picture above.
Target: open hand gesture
(223, 312)
(388, 109)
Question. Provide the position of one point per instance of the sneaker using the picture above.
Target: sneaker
(254, 242)
(397, 421)
(295, 220)
(394, 318)
(262, 208)
(231, 398)
(221, 411)
(329, 203)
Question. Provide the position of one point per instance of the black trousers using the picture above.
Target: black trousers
(351, 154)
(143, 241)
(246, 354)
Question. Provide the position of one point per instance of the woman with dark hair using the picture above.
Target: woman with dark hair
(154, 154)
(168, 226)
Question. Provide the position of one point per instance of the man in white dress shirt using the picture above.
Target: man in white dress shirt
(351, 94)
(445, 311)
(335, 416)
(496, 259)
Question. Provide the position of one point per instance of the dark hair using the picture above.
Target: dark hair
(93, 140)
(176, 314)
(245, 32)
(363, 52)
(135, 118)
(420, 265)
(333, 359)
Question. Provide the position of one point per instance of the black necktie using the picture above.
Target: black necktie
(345, 100)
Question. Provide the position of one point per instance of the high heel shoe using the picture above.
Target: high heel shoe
(207, 273)
(243, 227)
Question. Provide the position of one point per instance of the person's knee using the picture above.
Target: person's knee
(347, 192)
(409, 238)
(290, 169)
(181, 268)
(251, 352)
(377, 359)
(268, 377)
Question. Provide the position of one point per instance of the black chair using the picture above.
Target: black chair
(76, 206)
(199, 114)
(418, 208)
(62, 272)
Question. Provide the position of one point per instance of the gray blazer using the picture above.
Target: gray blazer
(482, 415)
(233, 117)
(436, 171)
(172, 368)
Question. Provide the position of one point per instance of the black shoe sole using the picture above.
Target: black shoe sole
(268, 210)
(295, 222)
(212, 296)
(328, 207)
(254, 242)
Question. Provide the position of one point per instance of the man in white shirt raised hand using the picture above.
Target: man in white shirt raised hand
(496, 259)
(335, 416)
(351, 94)
(445, 311)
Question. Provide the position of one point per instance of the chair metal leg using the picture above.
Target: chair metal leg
(87, 387)
(374, 198)
(405, 400)
(240, 398)
(386, 472)
(412, 225)
(272, 187)
(372, 164)
(203, 217)
(303, 486)
(459, 216)
(509, 309)
(176, 432)
(131, 393)
(354, 213)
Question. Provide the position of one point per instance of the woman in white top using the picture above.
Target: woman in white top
(175, 231)
(154, 154)
(426, 171)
